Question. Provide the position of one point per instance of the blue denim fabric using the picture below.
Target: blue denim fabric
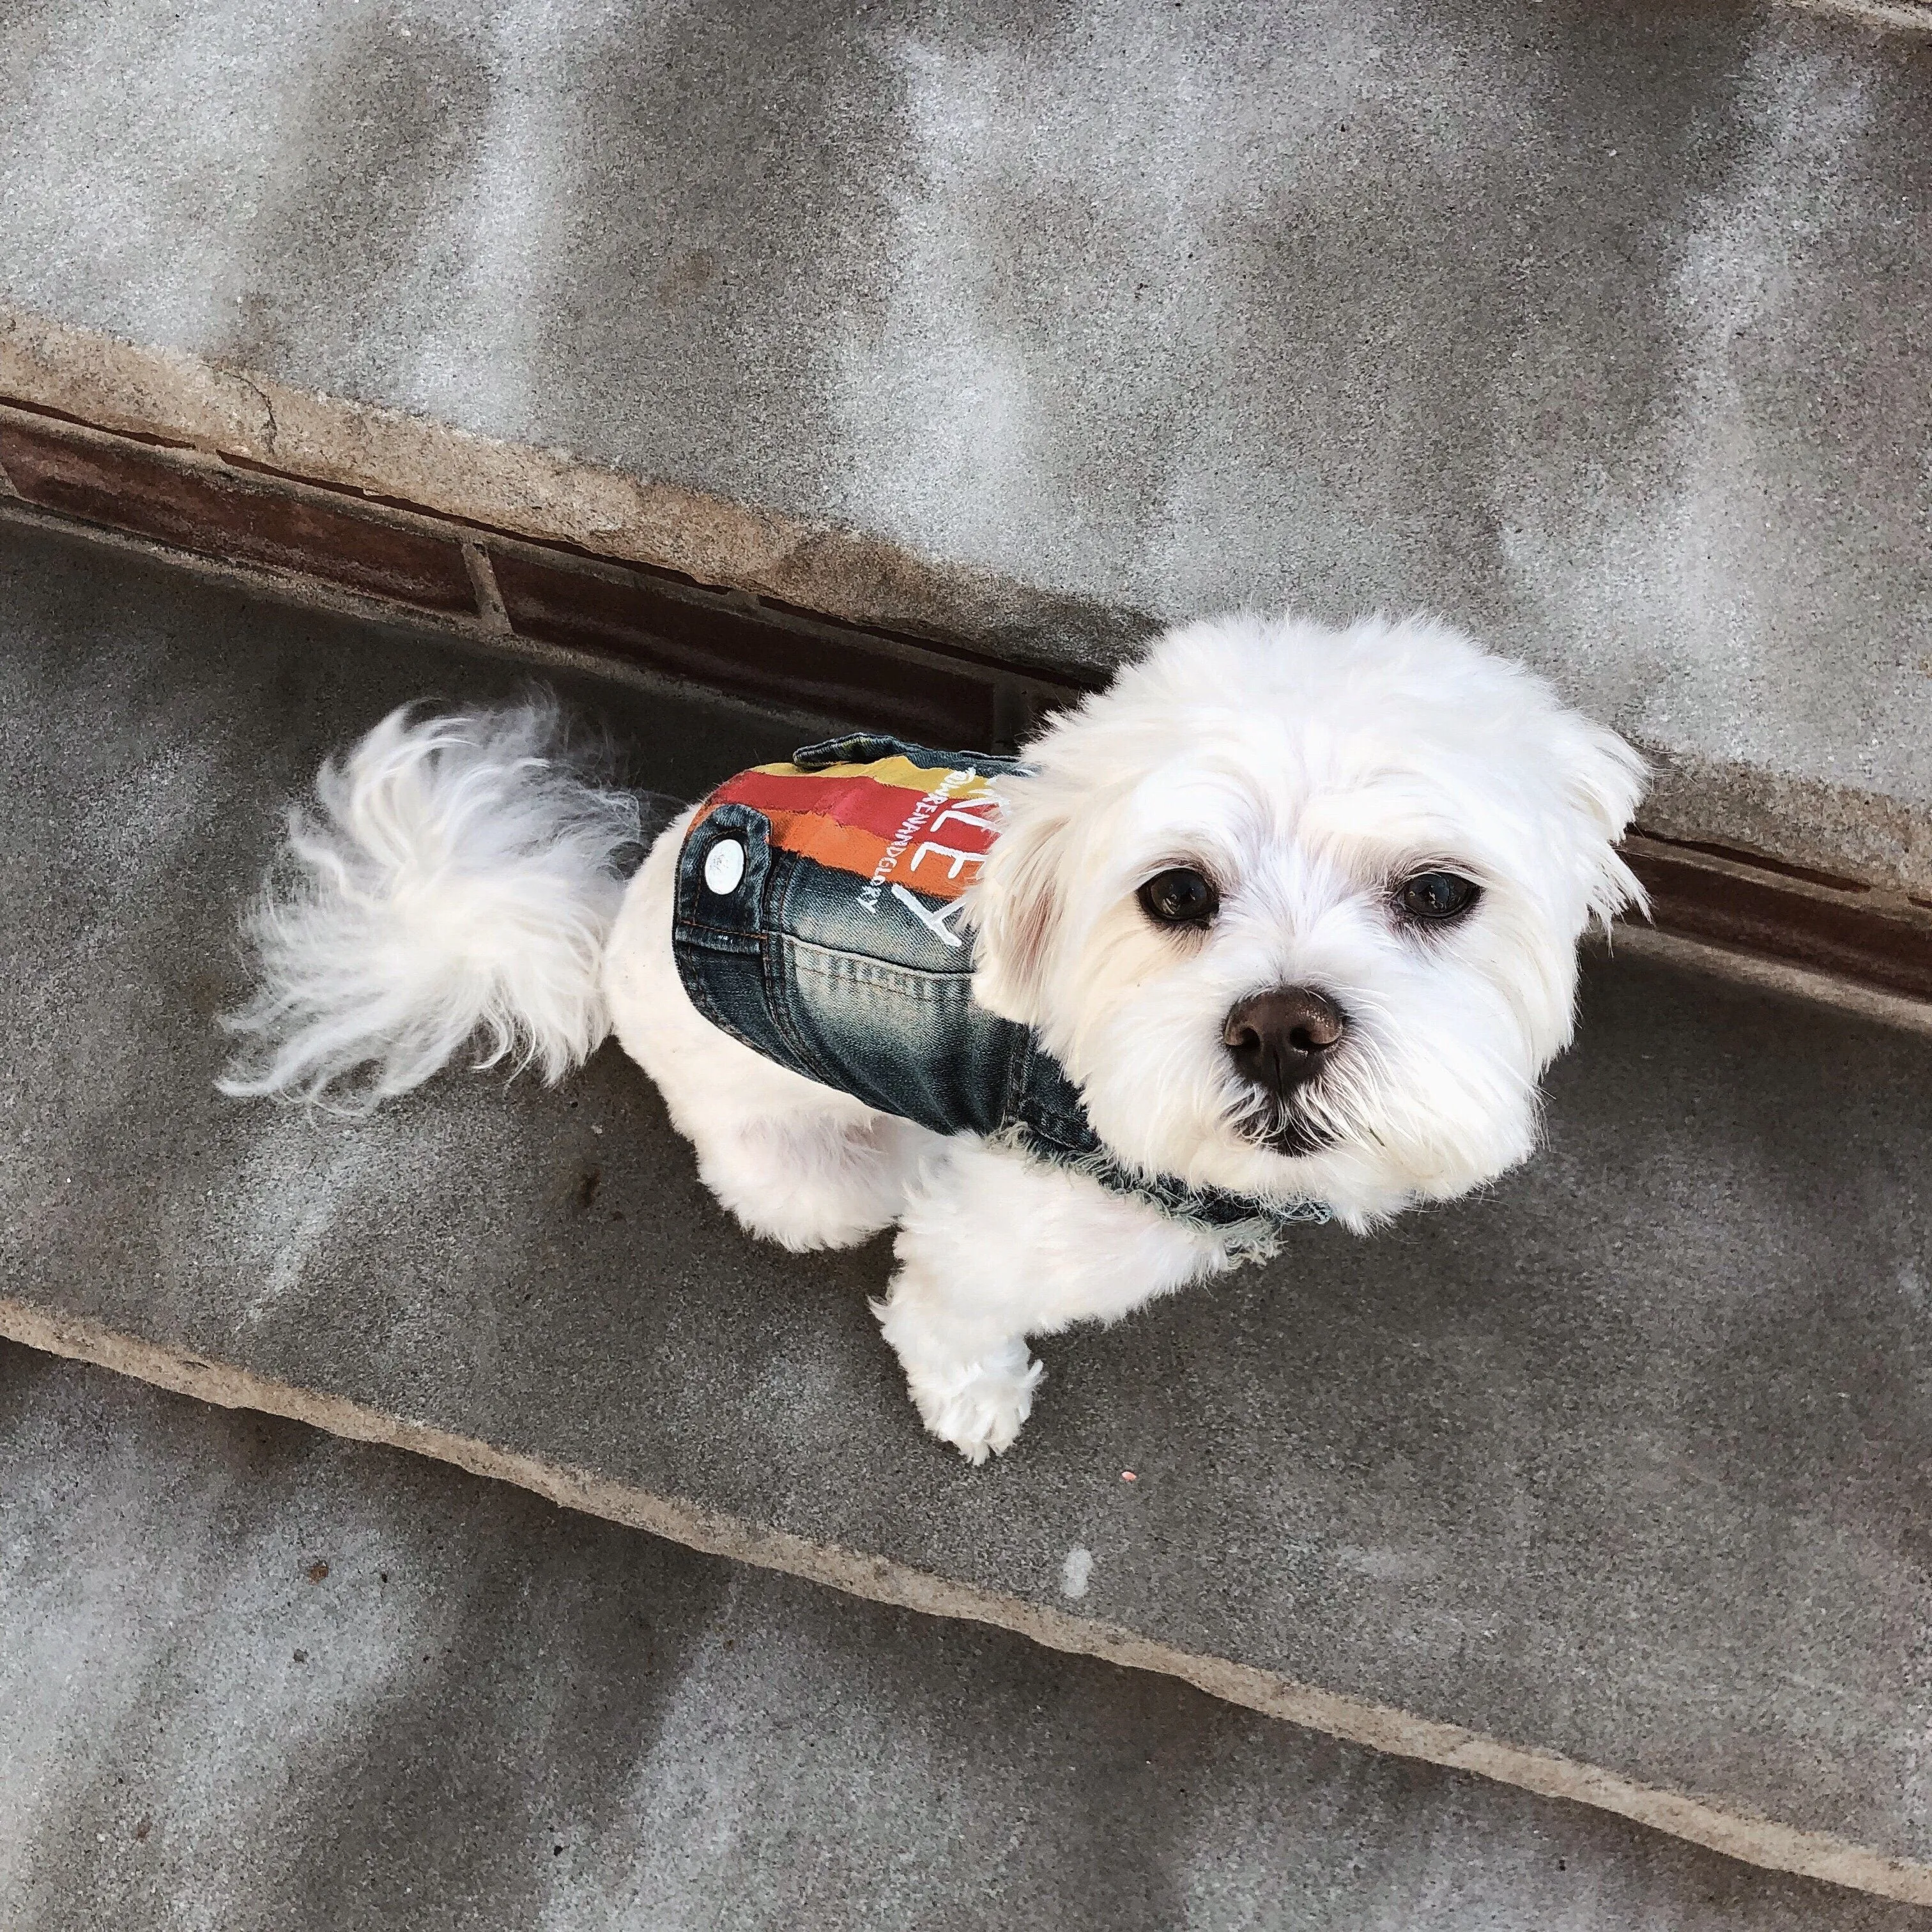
(877, 1002)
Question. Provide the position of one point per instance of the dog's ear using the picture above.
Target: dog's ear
(1606, 779)
(1016, 911)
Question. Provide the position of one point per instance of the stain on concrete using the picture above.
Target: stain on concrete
(384, 121)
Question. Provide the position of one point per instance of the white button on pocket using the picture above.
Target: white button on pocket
(724, 866)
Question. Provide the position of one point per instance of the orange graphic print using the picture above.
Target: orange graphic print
(892, 824)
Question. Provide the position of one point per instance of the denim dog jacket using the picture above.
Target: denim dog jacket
(817, 922)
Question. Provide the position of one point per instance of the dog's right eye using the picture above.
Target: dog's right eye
(1180, 896)
(1437, 897)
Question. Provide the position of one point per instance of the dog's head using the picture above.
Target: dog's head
(1297, 909)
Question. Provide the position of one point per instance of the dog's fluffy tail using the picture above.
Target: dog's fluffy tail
(455, 877)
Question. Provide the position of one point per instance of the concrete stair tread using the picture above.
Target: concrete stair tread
(1612, 1484)
(249, 1675)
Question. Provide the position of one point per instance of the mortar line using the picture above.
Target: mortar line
(490, 603)
(1736, 1833)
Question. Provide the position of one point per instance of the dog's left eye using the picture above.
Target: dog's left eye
(1435, 896)
(1180, 896)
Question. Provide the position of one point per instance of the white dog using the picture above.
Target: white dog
(1281, 925)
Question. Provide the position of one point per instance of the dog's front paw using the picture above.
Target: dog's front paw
(979, 1409)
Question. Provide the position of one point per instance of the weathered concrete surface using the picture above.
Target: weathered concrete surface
(250, 1675)
(1602, 330)
(1628, 1461)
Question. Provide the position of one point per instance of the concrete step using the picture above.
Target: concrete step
(1600, 330)
(252, 1675)
(1611, 1484)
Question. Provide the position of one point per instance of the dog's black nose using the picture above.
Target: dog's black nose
(1279, 1039)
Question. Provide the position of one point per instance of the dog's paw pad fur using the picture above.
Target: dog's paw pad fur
(980, 1411)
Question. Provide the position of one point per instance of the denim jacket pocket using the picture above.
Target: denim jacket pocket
(905, 1039)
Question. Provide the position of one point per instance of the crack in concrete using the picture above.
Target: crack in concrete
(255, 388)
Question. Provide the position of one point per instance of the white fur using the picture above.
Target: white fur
(1308, 770)
(455, 876)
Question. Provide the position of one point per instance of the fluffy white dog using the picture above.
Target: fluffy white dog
(1283, 924)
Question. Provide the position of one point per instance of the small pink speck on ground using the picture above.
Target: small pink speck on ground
(1128, 1476)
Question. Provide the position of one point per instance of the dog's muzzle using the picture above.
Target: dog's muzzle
(1279, 1041)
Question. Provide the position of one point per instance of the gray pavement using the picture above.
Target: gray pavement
(1600, 329)
(1626, 1459)
(250, 1675)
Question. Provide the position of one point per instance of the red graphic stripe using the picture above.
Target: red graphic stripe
(862, 803)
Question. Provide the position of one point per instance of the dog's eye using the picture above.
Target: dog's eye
(1435, 896)
(1180, 896)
